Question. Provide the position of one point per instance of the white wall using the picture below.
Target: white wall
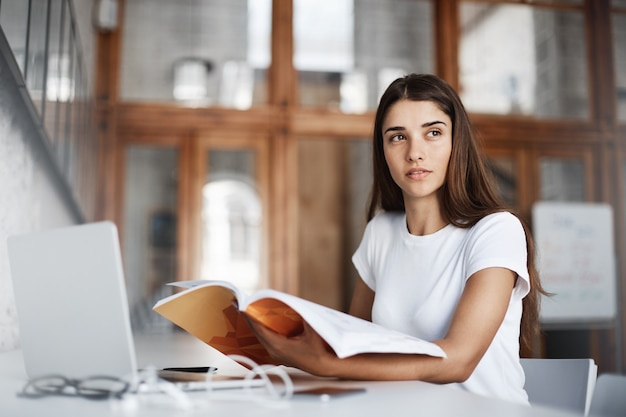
(30, 198)
(31, 195)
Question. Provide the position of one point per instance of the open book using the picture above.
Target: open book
(211, 311)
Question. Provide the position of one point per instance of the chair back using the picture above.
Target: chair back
(566, 384)
(609, 397)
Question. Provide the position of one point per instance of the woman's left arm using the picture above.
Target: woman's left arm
(476, 320)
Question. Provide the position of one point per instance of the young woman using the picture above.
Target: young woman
(441, 258)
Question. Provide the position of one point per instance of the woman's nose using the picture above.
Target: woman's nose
(415, 151)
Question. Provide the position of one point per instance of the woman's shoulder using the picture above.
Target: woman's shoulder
(503, 216)
(385, 222)
(501, 220)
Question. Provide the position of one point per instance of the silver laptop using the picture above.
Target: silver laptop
(71, 302)
(72, 308)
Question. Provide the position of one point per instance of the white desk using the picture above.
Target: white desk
(381, 399)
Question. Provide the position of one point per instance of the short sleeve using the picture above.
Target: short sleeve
(499, 240)
(362, 259)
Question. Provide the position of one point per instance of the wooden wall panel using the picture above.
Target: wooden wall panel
(321, 194)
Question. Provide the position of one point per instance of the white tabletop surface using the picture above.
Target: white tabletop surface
(381, 399)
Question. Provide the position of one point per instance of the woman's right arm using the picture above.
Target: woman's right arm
(362, 301)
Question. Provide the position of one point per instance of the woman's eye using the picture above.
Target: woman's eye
(434, 133)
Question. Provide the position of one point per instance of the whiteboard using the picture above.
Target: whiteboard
(576, 261)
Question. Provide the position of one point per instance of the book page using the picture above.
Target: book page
(239, 295)
(346, 334)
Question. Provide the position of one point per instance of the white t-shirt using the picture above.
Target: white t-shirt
(418, 281)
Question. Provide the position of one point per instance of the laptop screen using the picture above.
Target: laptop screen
(71, 302)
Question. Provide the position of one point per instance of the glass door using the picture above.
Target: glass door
(229, 210)
(149, 230)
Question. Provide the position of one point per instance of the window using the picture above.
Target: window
(231, 214)
(522, 59)
(347, 52)
(619, 51)
(562, 179)
(196, 52)
(149, 229)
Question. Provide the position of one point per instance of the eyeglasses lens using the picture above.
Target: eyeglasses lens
(99, 387)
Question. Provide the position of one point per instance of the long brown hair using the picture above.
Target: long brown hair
(468, 194)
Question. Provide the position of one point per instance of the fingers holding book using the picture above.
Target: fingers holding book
(306, 350)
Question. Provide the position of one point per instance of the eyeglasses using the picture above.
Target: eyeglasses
(149, 384)
(93, 388)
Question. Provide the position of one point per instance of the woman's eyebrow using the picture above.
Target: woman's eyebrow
(428, 124)
(400, 128)
(393, 129)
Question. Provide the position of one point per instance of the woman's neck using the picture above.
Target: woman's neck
(424, 219)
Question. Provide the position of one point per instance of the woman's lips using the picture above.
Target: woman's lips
(418, 173)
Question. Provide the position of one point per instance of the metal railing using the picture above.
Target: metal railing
(42, 37)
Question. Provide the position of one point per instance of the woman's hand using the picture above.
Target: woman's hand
(306, 351)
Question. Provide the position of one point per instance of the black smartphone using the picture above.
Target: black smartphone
(185, 373)
(196, 369)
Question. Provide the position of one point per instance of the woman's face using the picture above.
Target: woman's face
(417, 142)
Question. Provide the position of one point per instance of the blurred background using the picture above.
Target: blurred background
(229, 139)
